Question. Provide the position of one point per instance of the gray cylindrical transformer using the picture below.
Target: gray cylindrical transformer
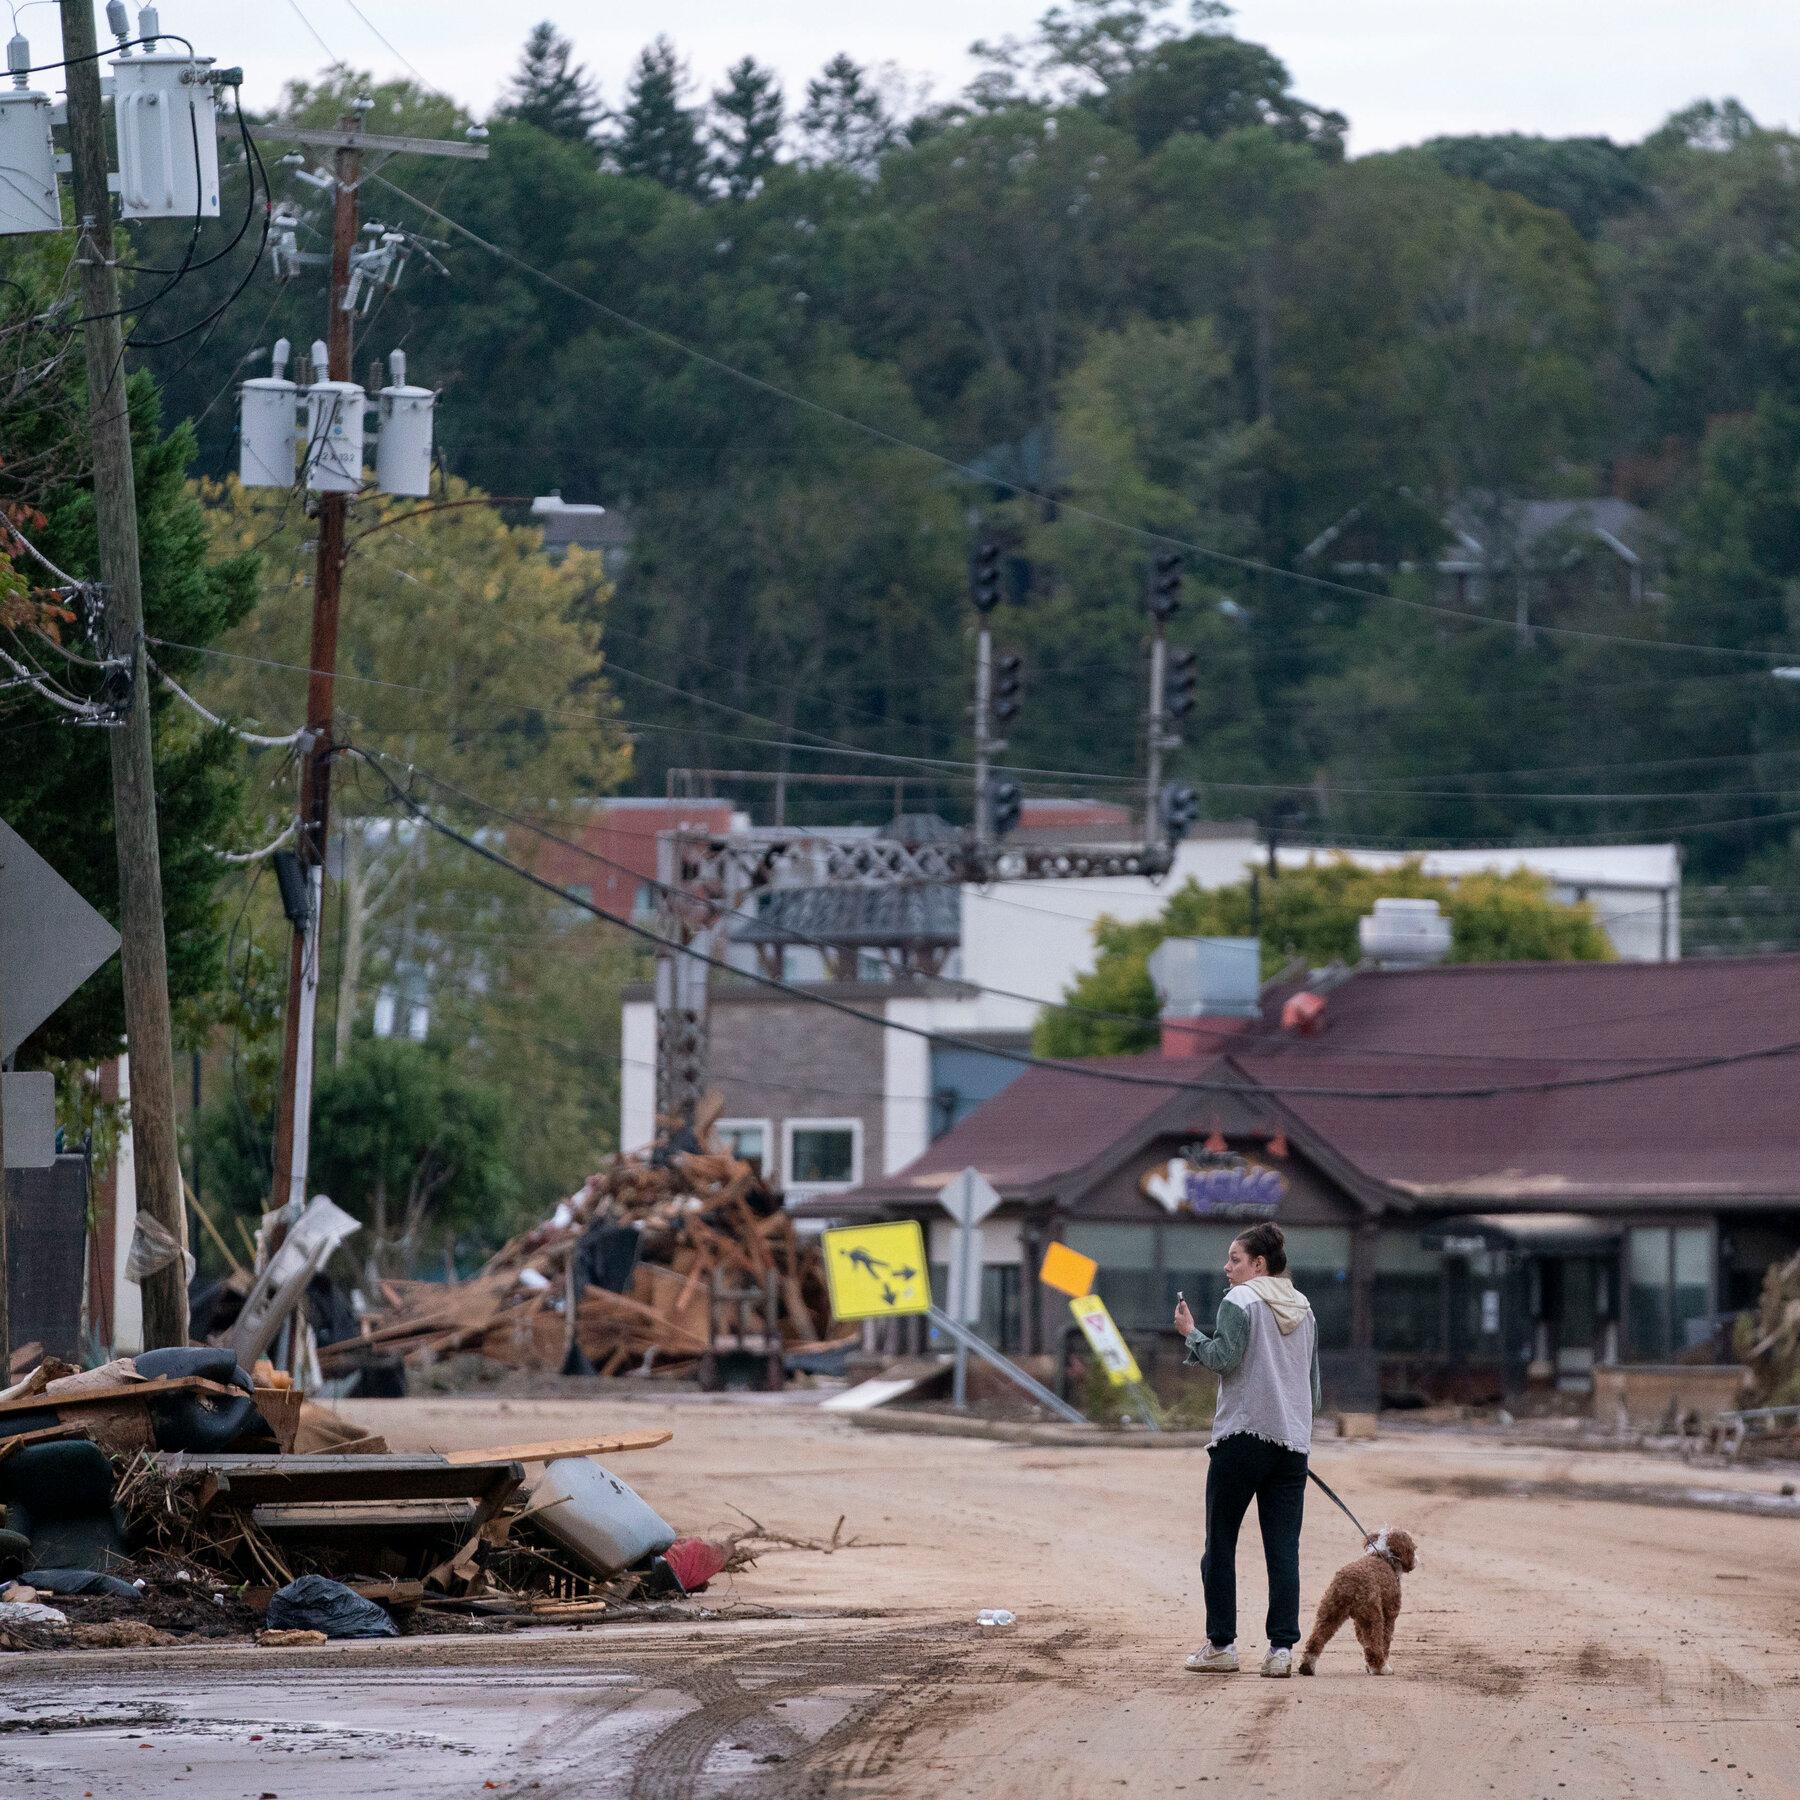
(266, 433)
(403, 451)
(334, 437)
(28, 199)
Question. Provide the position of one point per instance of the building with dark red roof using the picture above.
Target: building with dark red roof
(1490, 1176)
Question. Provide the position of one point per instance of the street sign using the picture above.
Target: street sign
(51, 940)
(963, 1302)
(1068, 1271)
(1103, 1338)
(877, 1271)
(968, 1198)
(28, 1106)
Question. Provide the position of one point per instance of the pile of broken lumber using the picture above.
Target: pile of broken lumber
(634, 1273)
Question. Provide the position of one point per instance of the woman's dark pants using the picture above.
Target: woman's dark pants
(1243, 1467)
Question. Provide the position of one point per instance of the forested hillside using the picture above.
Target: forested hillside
(815, 345)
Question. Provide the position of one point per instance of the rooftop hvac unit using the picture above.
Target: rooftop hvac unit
(266, 426)
(403, 450)
(28, 197)
(1404, 934)
(1208, 977)
(334, 432)
(164, 111)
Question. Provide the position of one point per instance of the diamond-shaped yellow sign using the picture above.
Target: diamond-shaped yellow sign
(877, 1271)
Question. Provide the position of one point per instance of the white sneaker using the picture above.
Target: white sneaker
(1214, 1659)
(1278, 1664)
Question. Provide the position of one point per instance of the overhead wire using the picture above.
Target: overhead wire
(1246, 1087)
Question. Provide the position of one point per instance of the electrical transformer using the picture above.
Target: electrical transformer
(334, 431)
(266, 426)
(28, 198)
(403, 450)
(164, 111)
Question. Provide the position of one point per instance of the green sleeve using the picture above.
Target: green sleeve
(1224, 1350)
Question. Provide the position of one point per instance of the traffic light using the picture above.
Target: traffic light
(1009, 686)
(1180, 681)
(1178, 808)
(985, 576)
(1002, 805)
(1165, 585)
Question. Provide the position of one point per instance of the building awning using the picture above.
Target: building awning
(1537, 1234)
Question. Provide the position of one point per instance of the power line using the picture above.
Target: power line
(1248, 1086)
(1248, 565)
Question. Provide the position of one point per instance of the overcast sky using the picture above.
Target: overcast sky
(1402, 70)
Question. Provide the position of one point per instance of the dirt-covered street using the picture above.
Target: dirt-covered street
(1581, 1624)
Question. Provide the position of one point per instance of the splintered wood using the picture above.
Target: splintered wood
(706, 1223)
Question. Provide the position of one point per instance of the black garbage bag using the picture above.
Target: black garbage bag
(199, 1422)
(317, 1603)
(81, 1581)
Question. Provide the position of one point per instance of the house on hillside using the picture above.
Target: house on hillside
(1493, 1178)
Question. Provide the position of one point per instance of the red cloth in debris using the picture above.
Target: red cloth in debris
(694, 1562)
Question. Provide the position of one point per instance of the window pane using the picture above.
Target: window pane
(747, 1143)
(1693, 1287)
(1194, 1266)
(823, 1154)
(1408, 1312)
(1117, 1246)
(1127, 1281)
(1648, 1328)
(1403, 1253)
(1322, 1248)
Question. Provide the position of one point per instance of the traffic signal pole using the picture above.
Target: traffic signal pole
(143, 951)
(984, 745)
(1157, 736)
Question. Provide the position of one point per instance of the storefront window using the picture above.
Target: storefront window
(1127, 1279)
(1319, 1265)
(1194, 1265)
(1671, 1290)
(1409, 1294)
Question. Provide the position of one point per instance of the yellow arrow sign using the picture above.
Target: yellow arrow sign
(877, 1271)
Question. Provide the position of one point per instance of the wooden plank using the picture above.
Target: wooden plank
(129, 1394)
(304, 1480)
(49, 1434)
(367, 1515)
(558, 1448)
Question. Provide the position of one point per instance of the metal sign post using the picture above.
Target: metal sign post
(968, 1198)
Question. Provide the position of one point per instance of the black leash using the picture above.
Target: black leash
(1335, 1501)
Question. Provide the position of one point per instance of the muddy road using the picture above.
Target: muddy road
(1580, 1625)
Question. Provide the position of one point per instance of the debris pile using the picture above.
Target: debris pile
(668, 1263)
(1769, 1340)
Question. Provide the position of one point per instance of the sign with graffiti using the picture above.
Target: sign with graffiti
(1215, 1184)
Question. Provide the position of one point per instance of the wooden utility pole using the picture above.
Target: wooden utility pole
(291, 1126)
(292, 1131)
(143, 953)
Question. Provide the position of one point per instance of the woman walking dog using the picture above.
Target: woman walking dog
(1265, 1351)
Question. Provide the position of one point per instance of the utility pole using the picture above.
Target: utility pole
(143, 953)
(985, 592)
(1165, 600)
(293, 1119)
(294, 1109)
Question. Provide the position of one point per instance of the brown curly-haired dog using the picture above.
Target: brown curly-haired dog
(1367, 1592)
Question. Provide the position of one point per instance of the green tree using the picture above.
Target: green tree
(1310, 913)
(1588, 179)
(749, 117)
(656, 138)
(57, 792)
(414, 1149)
(546, 91)
(845, 123)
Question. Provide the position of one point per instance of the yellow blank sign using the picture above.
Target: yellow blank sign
(877, 1271)
(1068, 1271)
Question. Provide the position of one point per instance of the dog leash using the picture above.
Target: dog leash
(1335, 1501)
